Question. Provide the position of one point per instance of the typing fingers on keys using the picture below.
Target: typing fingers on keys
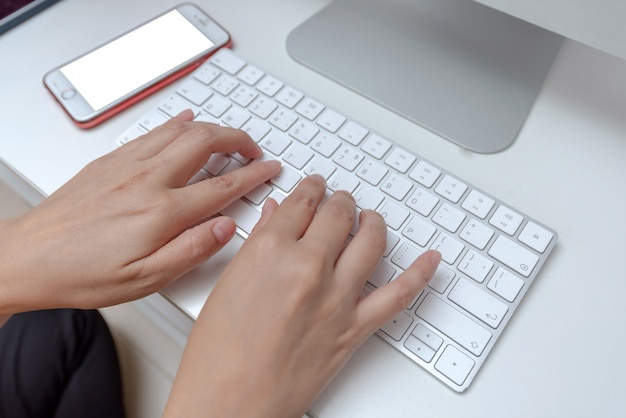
(210, 196)
(294, 215)
(150, 144)
(360, 257)
(329, 230)
(183, 158)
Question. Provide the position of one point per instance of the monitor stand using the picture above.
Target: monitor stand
(460, 69)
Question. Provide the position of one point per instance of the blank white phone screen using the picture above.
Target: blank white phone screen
(129, 62)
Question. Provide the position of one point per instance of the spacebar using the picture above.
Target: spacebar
(245, 216)
(454, 324)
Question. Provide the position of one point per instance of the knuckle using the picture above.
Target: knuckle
(340, 207)
(307, 200)
(375, 227)
(404, 294)
(225, 182)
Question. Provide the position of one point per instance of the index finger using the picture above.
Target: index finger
(183, 157)
(153, 142)
(382, 304)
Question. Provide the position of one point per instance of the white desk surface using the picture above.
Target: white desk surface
(563, 352)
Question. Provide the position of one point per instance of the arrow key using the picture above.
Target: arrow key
(398, 325)
(455, 365)
(420, 349)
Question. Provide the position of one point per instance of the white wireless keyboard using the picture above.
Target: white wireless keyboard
(491, 253)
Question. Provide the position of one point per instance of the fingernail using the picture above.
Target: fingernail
(319, 177)
(275, 164)
(223, 230)
(185, 114)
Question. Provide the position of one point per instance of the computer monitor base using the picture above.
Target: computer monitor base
(460, 69)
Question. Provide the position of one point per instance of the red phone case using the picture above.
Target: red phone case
(145, 93)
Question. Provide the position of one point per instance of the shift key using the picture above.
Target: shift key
(454, 324)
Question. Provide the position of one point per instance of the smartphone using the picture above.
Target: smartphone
(108, 79)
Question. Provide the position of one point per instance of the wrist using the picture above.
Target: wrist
(14, 261)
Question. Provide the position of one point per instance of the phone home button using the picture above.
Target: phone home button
(68, 94)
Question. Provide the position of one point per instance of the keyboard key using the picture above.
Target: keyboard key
(175, 104)
(422, 201)
(451, 188)
(475, 266)
(455, 365)
(398, 326)
(396, 186)
(224, 85)
(449, 248)
(454, 324)
(194, 92)
(276, 143)
(216, 164)
(216, 106)
(235, 117)
(297, 156)
(368, 198)
(536, 237)
(394, 215)
(326, 144)
(353, 133)
(309, 108)
(243, 95)
(442, 279)
(250, 75)
(244, 215)
(425, 174)
(419, 348)
(256, 129)
(289, 97)
(342, 180)
(206, 74)
(282, 119)
(431, 339)
(331, 120)
(372, 172)
(478, 204)
(506, 220)
(405, 256)
(478, 302)
(419, 231)
(228, 62)
(476, 234)
(348, 158)
(286, 180)
(259, 193)
(505, 284)
(152, 119)
(514, 255)
(376, 146)
(449, 217)
(263, 107)
(321, 166)
(382, 274)
(269, 85)
(303, 131)
(400, 159)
